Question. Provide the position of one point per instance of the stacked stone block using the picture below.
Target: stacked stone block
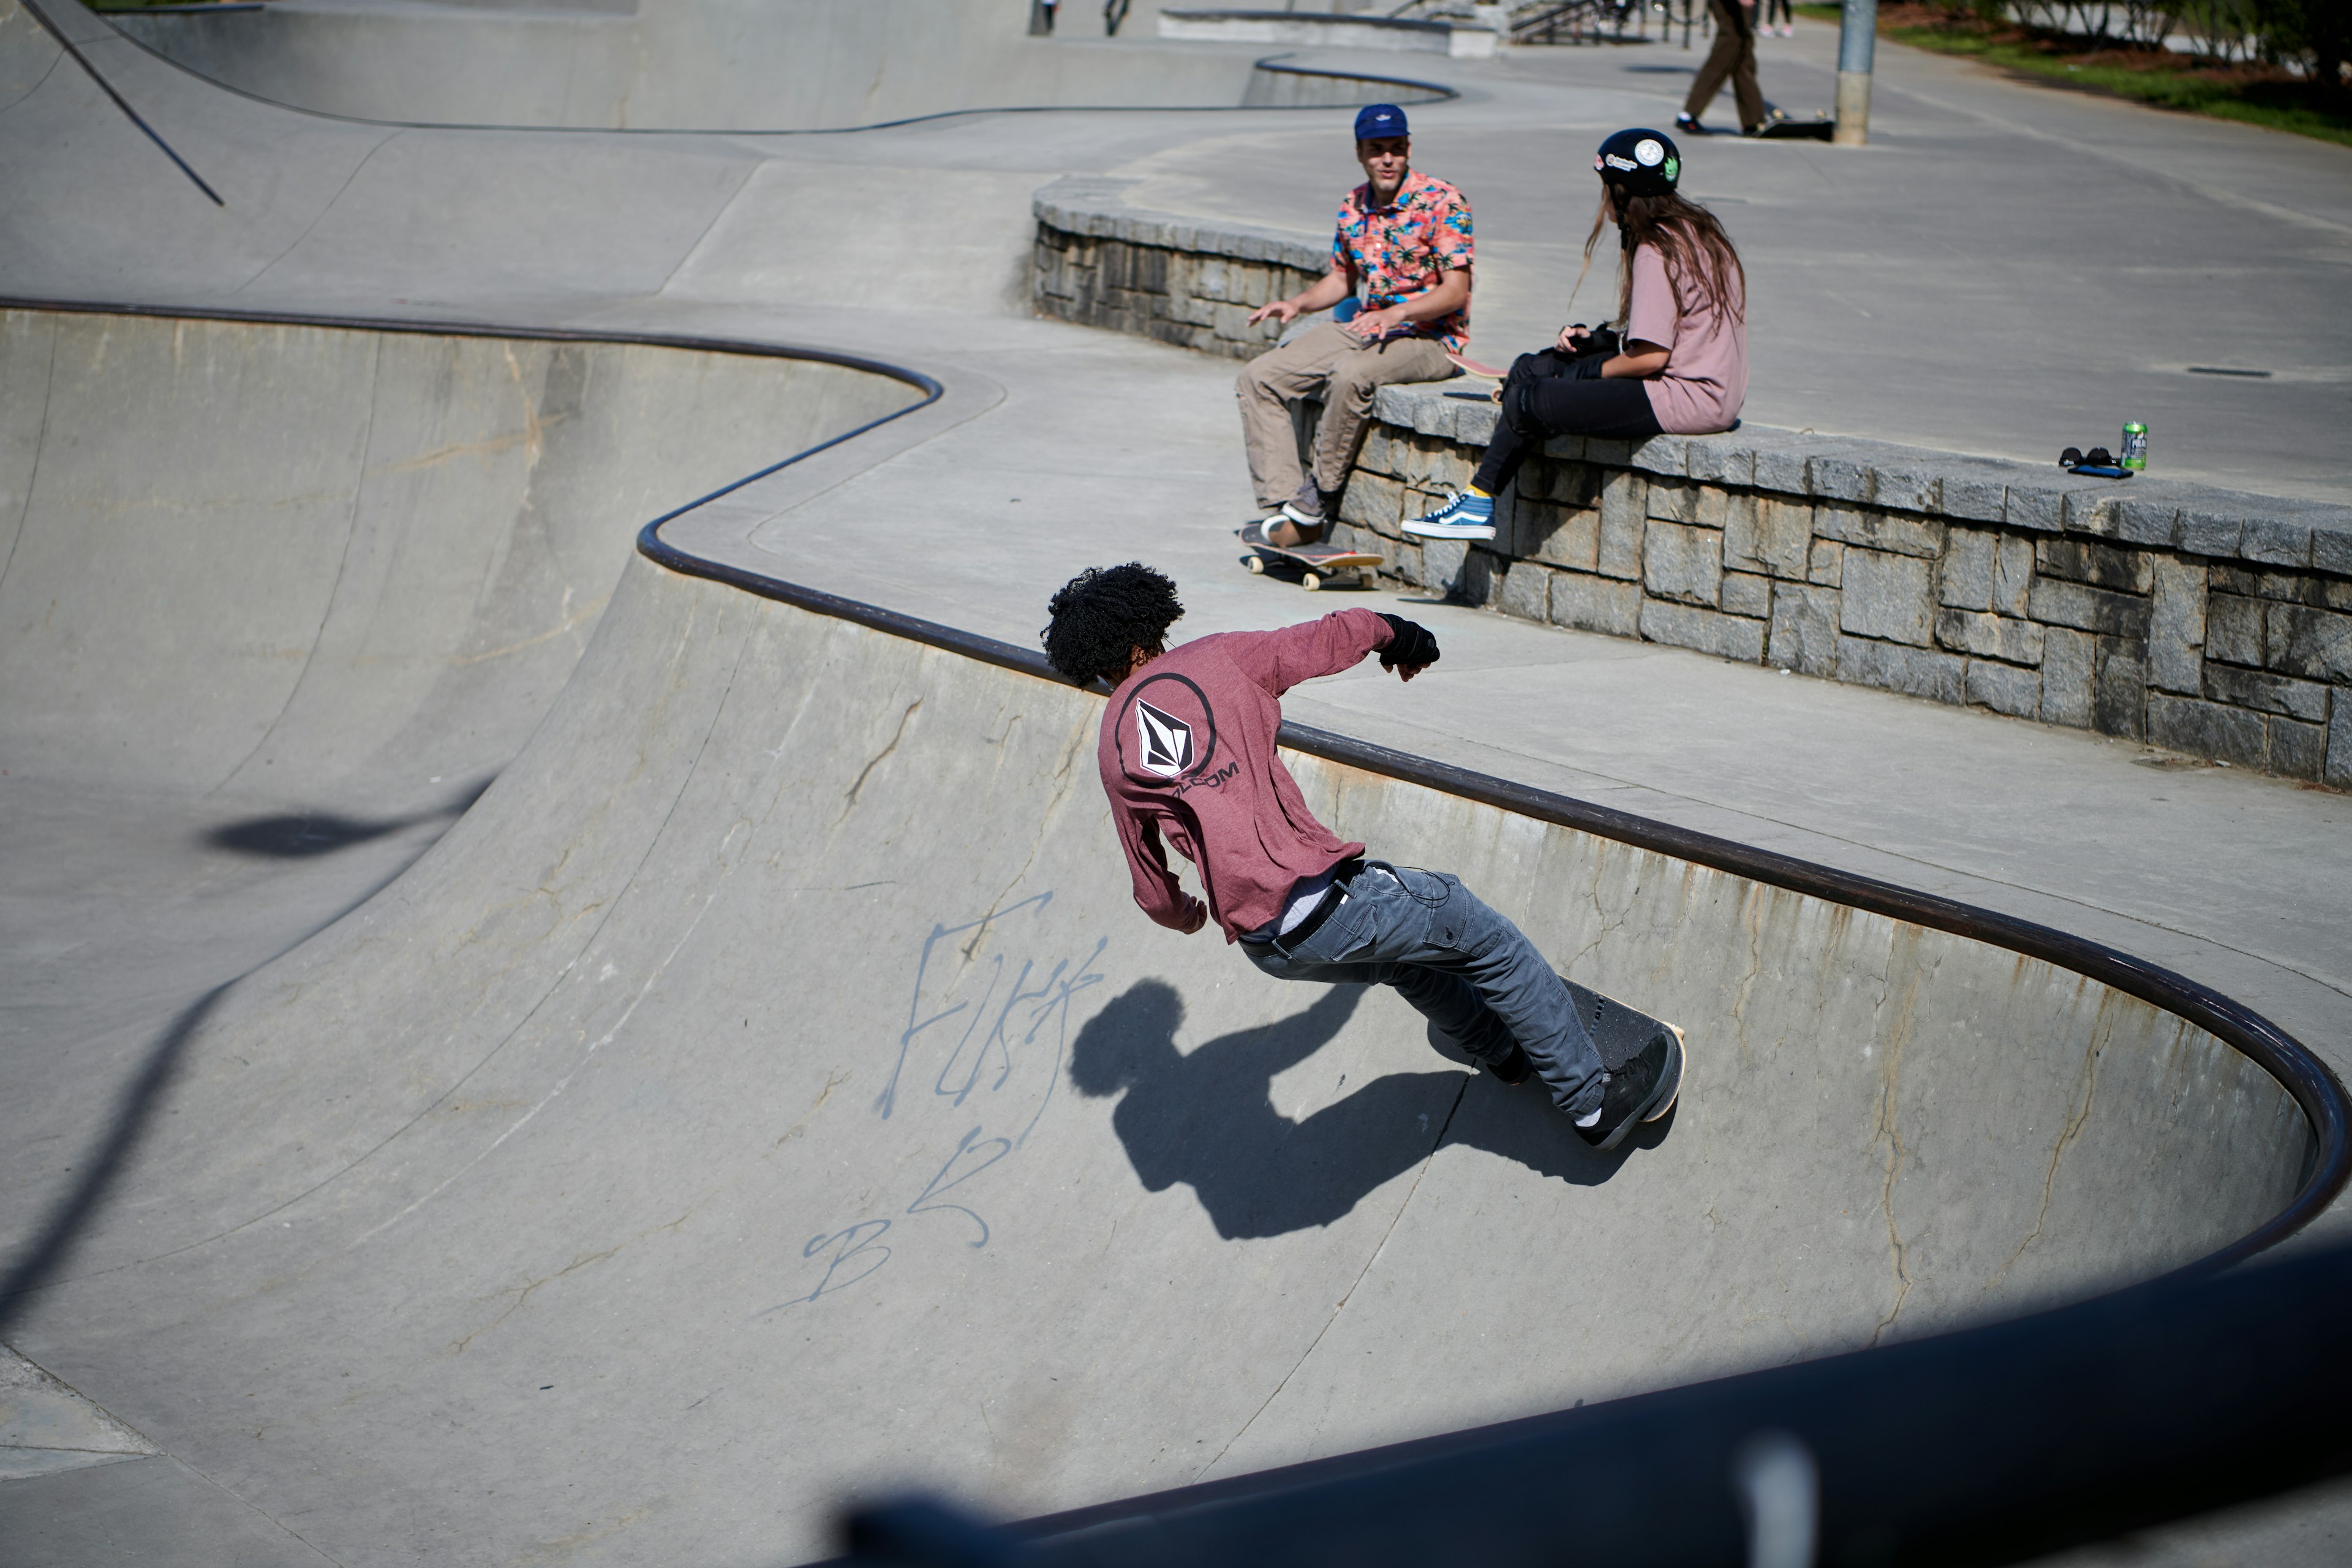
(1159, 277)
(1992, 585)
(2202, 621)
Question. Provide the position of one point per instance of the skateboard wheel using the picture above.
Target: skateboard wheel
(1256, 564)
(1311, 581)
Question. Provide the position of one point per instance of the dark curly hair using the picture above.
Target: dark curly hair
(1104, 613)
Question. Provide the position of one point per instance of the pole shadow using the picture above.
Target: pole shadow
(1206, 1118)
(46, 1253)
(305, 834)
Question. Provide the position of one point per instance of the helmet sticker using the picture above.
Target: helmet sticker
(1627, 164)
(1649, 153)
(1673, 169)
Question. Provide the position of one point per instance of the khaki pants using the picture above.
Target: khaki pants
(1335, 362)
(1734, 56)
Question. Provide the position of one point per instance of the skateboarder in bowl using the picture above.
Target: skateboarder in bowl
(1187, 755)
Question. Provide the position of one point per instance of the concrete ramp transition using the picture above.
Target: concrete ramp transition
(766, 1089)
(722, 65)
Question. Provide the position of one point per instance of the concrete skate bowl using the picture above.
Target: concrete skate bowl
(719, 65)
(767, 1089)
(275, 601)
(242, 551)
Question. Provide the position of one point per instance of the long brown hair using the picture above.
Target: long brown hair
(1701, 264)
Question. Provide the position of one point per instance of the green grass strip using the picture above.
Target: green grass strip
(2266, 103)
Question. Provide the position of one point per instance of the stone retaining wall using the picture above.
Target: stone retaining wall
(2210, 622)
(1102, 264)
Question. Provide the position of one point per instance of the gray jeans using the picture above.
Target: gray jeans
(1466, 969)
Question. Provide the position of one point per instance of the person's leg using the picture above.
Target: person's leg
(1508, 447)
(1745, 92)
(1355, 380)
(1613, 410)
(1729, 35)
(1265, 389)
(1467, 970)
(1471, 515)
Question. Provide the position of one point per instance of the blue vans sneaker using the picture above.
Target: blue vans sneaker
(1465, 516)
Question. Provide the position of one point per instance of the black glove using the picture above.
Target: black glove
(1603, 342)
(1587, 368)
(1412, 646)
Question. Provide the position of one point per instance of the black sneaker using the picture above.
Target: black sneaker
(1688, 125)
(1512, 1069)
(1641, 1090)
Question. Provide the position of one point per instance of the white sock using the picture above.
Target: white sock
(1590, 1118)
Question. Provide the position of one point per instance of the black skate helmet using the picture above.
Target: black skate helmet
(1640, 162)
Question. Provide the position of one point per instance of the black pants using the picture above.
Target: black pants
(1540, 401)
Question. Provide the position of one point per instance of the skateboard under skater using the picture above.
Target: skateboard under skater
(1315, 564)
(1619, 1032)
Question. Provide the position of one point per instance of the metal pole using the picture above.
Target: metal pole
(1856, 34)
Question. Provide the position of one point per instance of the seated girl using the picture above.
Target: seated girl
(1678, 362)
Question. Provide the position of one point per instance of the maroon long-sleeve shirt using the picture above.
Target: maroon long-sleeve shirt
(1188, 756)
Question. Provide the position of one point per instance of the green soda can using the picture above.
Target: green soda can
(2134, 452)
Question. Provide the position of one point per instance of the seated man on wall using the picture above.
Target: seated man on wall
(1401, 252)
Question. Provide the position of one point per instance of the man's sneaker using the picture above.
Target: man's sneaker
(1641, 1090)
(1307, 510)
(1688, 125)
(1255, 535)
(1512, 1069)
(1464, 516)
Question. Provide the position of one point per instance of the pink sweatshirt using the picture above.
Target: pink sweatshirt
(1705, 381)
(1187, 754)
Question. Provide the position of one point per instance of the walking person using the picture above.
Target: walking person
(1187, 756)
(1772, 8)
(1402, 251)
(1734, 56)
(1675, 361)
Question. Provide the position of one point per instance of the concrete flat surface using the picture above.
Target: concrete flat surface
(488, 1234)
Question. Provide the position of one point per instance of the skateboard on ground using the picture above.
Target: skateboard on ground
(1821, 128)
(1620, 1032)
(1315, 564)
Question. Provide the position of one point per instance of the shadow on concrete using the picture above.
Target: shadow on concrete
(290, 836)
(45, 1255)
(302, 834)
(1205, 1117)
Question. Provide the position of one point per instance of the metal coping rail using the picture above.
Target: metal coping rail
(2314, 1088)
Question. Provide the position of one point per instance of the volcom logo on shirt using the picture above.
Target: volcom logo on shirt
(1164, 739)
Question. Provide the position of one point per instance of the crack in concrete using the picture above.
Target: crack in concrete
(1063, 783)
(850, 803)
(1361, 1274)
(1890, 1073)
(2075, 1120)
(523, 1293)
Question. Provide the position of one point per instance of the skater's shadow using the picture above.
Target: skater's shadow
(1206, 1116)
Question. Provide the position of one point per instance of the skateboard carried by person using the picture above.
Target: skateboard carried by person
(1315, 564)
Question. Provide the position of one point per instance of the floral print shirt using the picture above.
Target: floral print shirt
(1406, 247)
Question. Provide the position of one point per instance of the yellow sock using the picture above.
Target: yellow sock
(1482, 495)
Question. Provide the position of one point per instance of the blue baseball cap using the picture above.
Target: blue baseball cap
(1377, 120)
